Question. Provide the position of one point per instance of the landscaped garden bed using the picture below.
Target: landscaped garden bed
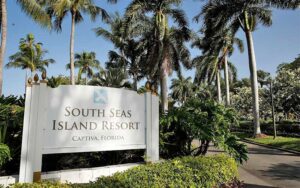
(208, 171)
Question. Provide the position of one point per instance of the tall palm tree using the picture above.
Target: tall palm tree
(112, 77)
(182, 88)
(222, 42)
(30, 7)
(244, 14)
(30, 57)
(3, 39)
(208, 70)
(58, 10)
(165, 46)
(131, 50)
(85, 61)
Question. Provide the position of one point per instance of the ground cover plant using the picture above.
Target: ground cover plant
(280, 142)
(290, 143)
(203, 171)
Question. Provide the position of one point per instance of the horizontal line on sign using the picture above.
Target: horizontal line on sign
(91, 149)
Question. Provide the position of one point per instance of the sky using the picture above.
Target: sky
(273, 45)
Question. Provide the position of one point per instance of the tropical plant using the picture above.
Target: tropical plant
(11, 122)
(293, 65)
(112, 77)
(85, 61)
(165, 45)
(223, 43)
(263, 77)
(182, 88)
(32, 8)
(287, 91)
(202, 120)
(57, 81)
(244, 14)
(58, 10)
(4, 154)
(30, 57)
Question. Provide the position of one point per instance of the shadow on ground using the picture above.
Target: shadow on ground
(283, 171)
(266, 151)
(256, 186)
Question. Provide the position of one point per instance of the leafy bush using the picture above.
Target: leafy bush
(205, 121)
(11, 123)
(4, 154)
(41, 185)
(211, 171)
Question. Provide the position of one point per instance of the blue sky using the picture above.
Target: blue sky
(273, 45)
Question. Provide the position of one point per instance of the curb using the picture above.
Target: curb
(271, 147)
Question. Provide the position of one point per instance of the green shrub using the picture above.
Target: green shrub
(180, 172)
(203, 120)
(4, 154)
(208, 171)
(41, 185)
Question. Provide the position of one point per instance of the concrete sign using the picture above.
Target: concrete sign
(71, 119)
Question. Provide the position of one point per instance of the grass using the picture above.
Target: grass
(289, 143)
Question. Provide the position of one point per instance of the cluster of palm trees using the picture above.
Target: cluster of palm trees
(150, 41)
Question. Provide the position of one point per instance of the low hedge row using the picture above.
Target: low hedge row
(284, 128)
(207, 171)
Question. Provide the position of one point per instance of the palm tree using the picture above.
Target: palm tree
(165, 46)
(182, 88)
(30, 56)
(30, 7)
(58, 9)
(57, 81)
(244, 14)
(85, 61)
(130, 52)
(224, 43)
(263, 77)
(112, 77)
(207, 69)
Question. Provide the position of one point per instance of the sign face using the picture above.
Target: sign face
(85, 118)
(71, 119)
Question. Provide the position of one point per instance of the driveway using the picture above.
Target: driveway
(267, 168)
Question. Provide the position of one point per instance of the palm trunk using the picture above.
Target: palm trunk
(218, 86)
(254, 84)
(164, 87)
(26, 79)
(72, 71)
(226, 76)
(3, 40)
(273, 110)
(86, 78)
(135, 82)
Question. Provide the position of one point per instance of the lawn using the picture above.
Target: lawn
(290, 143)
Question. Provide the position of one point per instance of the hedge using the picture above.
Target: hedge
(284, 128)
(207, 171)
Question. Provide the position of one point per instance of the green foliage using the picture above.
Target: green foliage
(211, 171)
(31, 56)
(205, 121)
(280, 142)
(85, 62)
(4, 154)
(112, 77)
(11, 122)
(287, 91)
(57, 81)
(200, 171)
(41, 185)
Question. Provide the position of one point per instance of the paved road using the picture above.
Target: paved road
(268, 168)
